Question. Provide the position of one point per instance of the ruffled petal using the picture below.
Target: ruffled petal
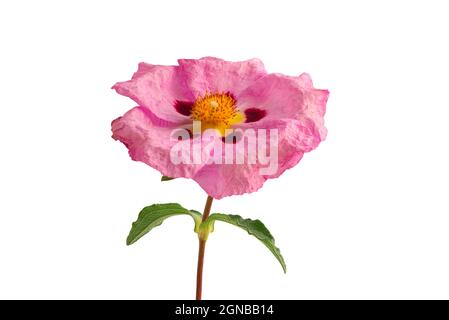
(216, 75)
(281, 97)
(152, 144)
(158, 88)
(221, 180)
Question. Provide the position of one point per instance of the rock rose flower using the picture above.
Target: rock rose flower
(229, 126)
(221, 95)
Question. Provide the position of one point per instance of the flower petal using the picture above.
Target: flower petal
(150, 143)
(157, 88)
(280, 96)
(216, 75)
(221, 180)
(283, 97)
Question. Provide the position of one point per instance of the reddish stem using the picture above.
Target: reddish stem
(202, 247)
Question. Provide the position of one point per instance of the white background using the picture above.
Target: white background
(366, 215)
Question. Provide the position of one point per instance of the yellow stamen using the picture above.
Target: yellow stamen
(216, 111)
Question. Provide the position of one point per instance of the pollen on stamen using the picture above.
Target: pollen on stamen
(216, 110)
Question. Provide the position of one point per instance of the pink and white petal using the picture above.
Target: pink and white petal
(157, 88)
(305, 80)
(216, 75)
(294, 136)
(307, 131)
(220, 181)
(294, 139)
(277, 96)
(316, 101)
(280, 96)
(149, 143)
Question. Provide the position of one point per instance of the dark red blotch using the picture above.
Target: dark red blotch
(254, 114)
(184, 107)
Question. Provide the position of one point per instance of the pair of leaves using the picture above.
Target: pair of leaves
(153, 216)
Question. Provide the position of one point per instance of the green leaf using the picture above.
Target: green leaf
(153, 216)
(254, 227)
(165, 178)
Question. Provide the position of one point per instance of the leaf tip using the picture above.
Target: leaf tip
(130, 240)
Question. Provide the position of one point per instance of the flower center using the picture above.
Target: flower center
(216, 111)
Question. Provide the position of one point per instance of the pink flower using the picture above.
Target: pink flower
(221, 95)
